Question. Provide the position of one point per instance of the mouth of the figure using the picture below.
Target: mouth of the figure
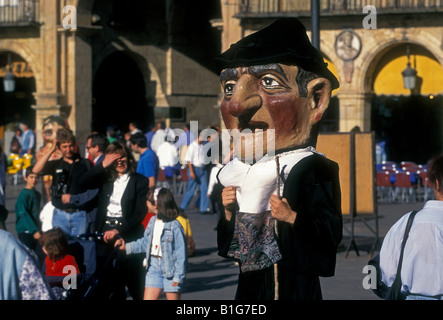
(254, 126)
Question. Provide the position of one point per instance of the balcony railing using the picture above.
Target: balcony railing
(19, 12)
(336, 7)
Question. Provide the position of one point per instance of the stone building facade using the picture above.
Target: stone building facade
(141, 61)
(370, 76)
(101, 63)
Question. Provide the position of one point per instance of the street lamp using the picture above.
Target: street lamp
(409, 74)
(9, 78)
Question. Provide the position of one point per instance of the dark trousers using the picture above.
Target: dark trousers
(116, 272)
(260, 285)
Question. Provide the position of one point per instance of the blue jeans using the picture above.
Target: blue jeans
(73, 224)
(201, 180)
(155, 278)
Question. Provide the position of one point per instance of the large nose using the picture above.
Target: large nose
(245, 98)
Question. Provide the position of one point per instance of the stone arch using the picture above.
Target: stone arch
(26, 54)
(328, 51)
(18, 106)
(84, 11)
(331, 117)
(393, 113)
(141, 95)
(155, 96)
(153, 84)
(375, 53)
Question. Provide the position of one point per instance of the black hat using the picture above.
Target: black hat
(284, 41)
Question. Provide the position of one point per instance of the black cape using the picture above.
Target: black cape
(309, 246)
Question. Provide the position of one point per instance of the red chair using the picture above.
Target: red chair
(426, 186)
(384, 186)
(164, 182)
(161, 177)
(404, 186)
(389, 165)
(182, 181)
(408, 165)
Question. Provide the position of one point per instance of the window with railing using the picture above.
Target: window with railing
(248, 7)
(19, 12)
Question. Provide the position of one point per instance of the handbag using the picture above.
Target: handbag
(394, 291)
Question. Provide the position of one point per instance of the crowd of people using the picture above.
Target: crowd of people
(280, 214)
(112, 192)
(23, 141)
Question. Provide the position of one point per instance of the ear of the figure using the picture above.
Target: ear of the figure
(319, 96)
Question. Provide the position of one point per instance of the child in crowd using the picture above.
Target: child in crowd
(166, 250)
(55, 246)
(151, 207)
(27, 212)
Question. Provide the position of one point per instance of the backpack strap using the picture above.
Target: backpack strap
(396, 286)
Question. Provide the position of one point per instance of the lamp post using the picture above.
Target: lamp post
(315, 23)
(409, 74)
(9, 78)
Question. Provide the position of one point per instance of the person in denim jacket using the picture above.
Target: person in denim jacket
(166, 250)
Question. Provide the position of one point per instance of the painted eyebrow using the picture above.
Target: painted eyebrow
(228, 74)
(256, 70)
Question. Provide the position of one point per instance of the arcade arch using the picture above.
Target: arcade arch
(409, 121)
(16, 107)
(118, 93)
(331, 117)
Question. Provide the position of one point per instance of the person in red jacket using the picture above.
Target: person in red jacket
(58, 262)
(55, 246)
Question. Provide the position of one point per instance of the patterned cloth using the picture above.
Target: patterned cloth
(254, 244)
(59, 293)
(32, 283)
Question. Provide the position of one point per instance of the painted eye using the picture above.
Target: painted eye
(270, 83)
(229, 88)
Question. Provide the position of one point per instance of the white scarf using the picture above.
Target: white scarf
(257, 182)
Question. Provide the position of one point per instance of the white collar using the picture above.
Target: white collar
(257, 182)
(123, 178)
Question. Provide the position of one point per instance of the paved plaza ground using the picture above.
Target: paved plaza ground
(211, 277)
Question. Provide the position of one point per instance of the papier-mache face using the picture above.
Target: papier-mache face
(258, 76)
(50, 127)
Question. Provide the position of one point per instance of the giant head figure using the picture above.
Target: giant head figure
(50, 127)
(275, 79)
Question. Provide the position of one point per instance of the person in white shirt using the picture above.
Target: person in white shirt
(168, 158)
(197, 176)
(161, 135)
(133, 129)
(422, 268)
(27, 140)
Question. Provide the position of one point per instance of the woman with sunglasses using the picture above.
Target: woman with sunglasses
(121, 210)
